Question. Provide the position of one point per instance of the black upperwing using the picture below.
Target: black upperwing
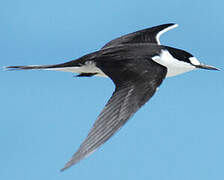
(136, 79)
(149, 35)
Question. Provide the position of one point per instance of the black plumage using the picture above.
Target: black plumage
(127, 61)
(148, 35)
(136, 80)
(136, 66)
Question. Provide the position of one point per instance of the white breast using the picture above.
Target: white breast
(174, 66)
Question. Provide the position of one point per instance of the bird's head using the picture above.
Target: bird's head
(178, 61)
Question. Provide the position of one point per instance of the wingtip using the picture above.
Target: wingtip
(63, 169)
(173, 25)
(67, 165)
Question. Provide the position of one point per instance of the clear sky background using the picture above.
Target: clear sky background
(177, 135)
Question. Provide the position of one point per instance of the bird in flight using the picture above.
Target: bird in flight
(137, 64)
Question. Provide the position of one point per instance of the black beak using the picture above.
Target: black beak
(203, 66)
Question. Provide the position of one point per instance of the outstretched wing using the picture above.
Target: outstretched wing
(136, 81)
(149, 35)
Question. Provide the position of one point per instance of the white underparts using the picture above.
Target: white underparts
(88, 67)
(174, 66)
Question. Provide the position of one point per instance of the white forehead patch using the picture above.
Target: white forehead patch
(194, 61)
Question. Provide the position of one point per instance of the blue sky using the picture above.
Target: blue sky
(177, 135)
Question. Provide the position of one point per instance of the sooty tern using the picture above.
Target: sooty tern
(137, 64)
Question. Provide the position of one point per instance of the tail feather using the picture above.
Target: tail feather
(28, 67)
(79, 66)
(47, 67)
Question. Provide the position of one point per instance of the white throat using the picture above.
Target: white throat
(173, 65)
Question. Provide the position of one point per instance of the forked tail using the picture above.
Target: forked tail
(28, 67)
(68, 66)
